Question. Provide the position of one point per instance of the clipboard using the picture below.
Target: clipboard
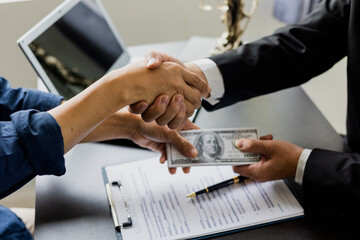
(117, 204)
(154, 185)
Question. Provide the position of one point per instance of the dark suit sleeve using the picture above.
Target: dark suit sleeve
(331, 184)
(291, 56)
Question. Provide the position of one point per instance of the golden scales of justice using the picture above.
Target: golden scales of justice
(236, 17)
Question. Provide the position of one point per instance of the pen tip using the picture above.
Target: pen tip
(191, 195)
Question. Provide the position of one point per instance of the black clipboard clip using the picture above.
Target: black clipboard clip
(122, 205)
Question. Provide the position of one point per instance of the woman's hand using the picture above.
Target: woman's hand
(123, 124)
(155, 137)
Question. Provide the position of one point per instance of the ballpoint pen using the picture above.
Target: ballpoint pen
(214, 187)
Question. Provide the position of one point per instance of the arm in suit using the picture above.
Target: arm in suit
(291, 56)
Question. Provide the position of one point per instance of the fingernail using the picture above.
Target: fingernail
(193, 152)
(142, 107)
(239, 143)
(150, 61)
(178, 99)
(165, 100)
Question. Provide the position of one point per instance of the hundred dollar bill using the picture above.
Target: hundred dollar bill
(215, 147)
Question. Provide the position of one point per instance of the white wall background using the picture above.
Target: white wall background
(138, 21)
(149, 21)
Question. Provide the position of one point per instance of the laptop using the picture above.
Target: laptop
(73, 46)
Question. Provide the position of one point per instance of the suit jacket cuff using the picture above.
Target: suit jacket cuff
(301, 165)
(214, 79)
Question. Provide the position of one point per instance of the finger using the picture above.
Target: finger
(156, 109)
(183, 123)
(186, 169)
(267, 137)
(172, 170)
(192, 98)
(163, 158)
(179, 119)
(138, 108)
(154, 59)
(243, 170)
(172, 110)
(196, 81)
(190, 125)
(253, 146)
(190, 108)
(182, 145)
(254, 171)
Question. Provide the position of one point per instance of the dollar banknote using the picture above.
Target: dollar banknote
(215, 147)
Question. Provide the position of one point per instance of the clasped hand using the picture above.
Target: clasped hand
(166, 110)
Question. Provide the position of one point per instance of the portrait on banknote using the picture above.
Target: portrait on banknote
(210, 146)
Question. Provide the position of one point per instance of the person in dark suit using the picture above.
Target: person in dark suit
(291, 56)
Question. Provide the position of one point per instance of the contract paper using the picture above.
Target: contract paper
(159, 208)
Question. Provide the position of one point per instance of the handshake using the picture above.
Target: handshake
(173, 108)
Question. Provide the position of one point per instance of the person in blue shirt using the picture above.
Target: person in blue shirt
(38, 128)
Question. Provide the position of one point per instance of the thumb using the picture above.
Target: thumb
(153, 62)
(252, 146)
(154, 59)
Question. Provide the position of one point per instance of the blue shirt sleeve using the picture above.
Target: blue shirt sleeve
(30, 144)
(16, 99)
(11, 227)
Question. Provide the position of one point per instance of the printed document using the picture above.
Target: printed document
(159, 208)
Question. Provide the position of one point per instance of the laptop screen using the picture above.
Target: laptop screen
(78, 49)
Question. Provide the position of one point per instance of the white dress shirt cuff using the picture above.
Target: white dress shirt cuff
(301, 165)
(214, 79)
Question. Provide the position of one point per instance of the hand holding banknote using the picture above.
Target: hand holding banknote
(279, 159)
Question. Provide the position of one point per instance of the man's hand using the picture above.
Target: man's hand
(154, 60)
(172, 114)
(279, 159)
